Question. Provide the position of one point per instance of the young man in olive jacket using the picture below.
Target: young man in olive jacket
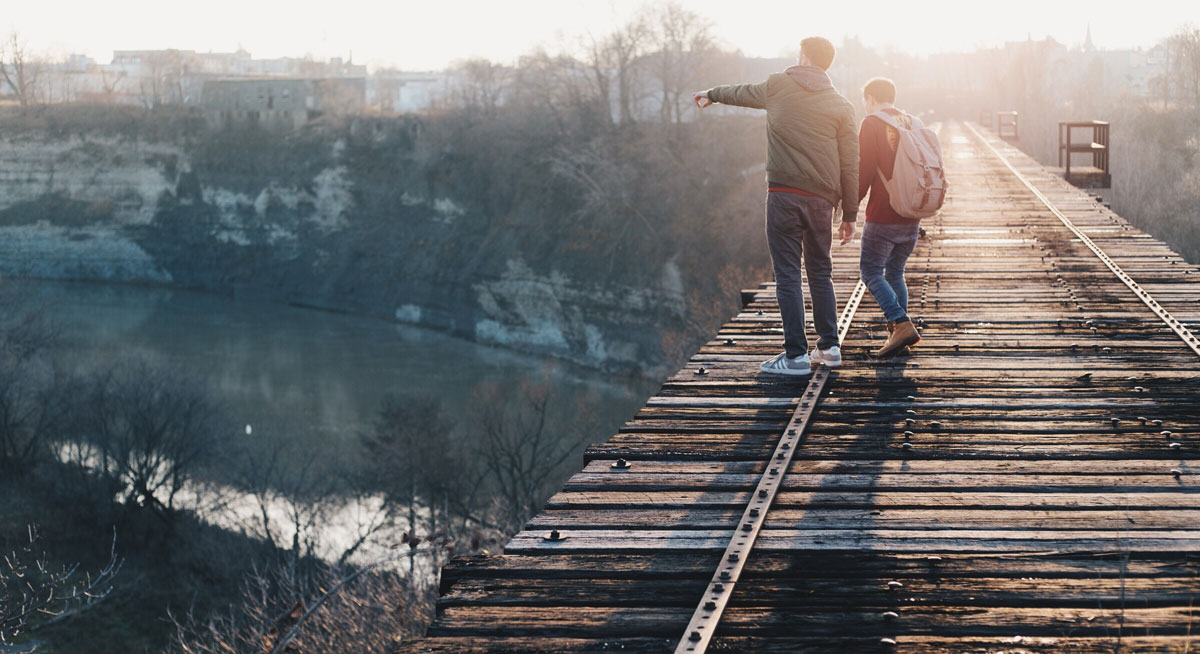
(812, 166)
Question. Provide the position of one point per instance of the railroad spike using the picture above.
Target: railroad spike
(1156, 423)
(1175, 446)
(890, 615)
(1176, 472)
(701, 371)
(621, 464)
(895, 585)
(1164, 433)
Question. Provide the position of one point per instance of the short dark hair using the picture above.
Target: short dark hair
(880, 88)
(819, 51)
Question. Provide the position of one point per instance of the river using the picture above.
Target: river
(312, 379)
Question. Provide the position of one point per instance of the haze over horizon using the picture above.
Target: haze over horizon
(400, 35)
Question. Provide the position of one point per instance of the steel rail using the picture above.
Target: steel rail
(1189, 339)
(712, 604)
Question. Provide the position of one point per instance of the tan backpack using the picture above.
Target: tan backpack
(918, 186)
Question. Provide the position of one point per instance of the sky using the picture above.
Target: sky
(431, 34)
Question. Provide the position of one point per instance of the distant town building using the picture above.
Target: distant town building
(394, 91)
(280, 103)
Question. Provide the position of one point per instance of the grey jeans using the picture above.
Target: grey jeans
(801, 227)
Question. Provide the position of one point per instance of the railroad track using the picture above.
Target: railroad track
(1025, 482)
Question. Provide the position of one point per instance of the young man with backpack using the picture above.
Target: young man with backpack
(812, 154)
(901, 165)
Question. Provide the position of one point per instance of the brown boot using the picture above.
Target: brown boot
(904, 335)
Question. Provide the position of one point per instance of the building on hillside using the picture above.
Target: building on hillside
(279, 103)
(394, 91)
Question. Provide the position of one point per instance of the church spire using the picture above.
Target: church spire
(1088, 46)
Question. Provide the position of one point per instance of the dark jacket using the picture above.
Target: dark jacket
(812, 138)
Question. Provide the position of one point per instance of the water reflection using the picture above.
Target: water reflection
(311, 379)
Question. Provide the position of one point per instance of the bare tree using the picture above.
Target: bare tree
(682, 40)
(1184, 66)
(35, 594)
(21, 70)
(35, 394)
(523, 455)
(479, 84)
(366, 610)
(150, 429)
(162, 78)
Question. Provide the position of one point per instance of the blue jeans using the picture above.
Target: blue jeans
(799, 232)
(885, 250)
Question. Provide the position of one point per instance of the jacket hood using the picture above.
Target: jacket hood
(810, 77)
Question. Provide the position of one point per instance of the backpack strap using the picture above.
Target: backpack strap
(891, 120)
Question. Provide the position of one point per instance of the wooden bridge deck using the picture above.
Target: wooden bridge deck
(1026, 481)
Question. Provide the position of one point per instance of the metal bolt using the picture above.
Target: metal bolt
(1115, 421)
(762, 493)
(911, 398)
(786, 446)
(1176, 472)
(935, 424)
(890, 615)
(695, 636)
(733, 556)
(710, 605)
(895, 585)
(791, 432)
(1164, 433)
(725, 575)
(774, 471)
(1156, 423)
(747, 527)
(887, 641)
(620, 464)
(1175, 446)
(554, 535)
(701, 371)
(729, 341)
(933, 558)
(907, 446)
(779, 456)
(718, 587)
(908, 434)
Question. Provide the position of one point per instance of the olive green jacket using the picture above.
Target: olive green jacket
(812, 133)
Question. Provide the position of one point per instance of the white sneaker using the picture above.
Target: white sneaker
(782, 364)
(831, 358)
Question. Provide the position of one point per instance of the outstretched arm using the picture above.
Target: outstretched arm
(741, 95)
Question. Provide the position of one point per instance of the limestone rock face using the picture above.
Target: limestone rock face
(363, 226)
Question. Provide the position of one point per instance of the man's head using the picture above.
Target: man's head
(878, 93)
(816, 51)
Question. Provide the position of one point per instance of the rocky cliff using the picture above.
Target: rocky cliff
(376, 218)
